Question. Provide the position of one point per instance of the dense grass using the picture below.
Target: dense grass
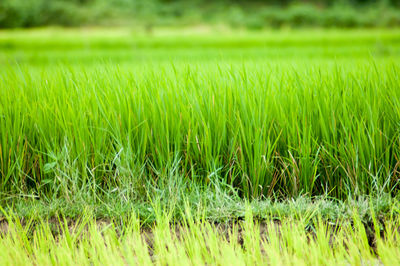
(119, 147)
(282, 114)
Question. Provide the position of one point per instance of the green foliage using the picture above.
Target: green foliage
(253, 14)
(30, 13)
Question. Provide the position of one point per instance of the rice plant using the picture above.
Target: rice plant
(283, 127)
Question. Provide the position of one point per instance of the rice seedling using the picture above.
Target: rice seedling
(195, 241)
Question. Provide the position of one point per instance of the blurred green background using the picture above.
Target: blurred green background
(250, 14)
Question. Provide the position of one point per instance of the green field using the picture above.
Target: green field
(299, 126)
